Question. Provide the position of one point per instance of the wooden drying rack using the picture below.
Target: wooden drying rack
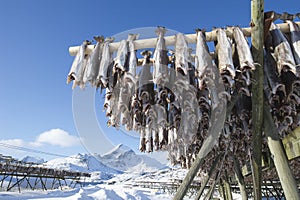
(170, 40)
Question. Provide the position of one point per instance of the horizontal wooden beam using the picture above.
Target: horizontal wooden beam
(170, 40)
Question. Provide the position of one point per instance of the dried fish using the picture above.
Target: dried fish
(295, 40)
(224, 52)
(80, 74)
(202, 58)
(243, 50)
(282, 51)
(149, 140)
(142, 140)
(181, 54)
(78, 63)
(145, 84)
(160, 59)
(122, 56)
(132, 55)
(93, 65)
(106, 60)
(271, 74)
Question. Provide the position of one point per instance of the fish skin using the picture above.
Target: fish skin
(112, 76)
(161, 59)
(148, 141)
(132, 54)
(104, 64)
(191, 69)
(142, 140)
(271, 75)
(295, 40)
(161, 115)
(181, 54)
(80, 74)
(243, 50)
(92, 68)
(224, 52)
(202, 58)
(122, 56)
(128, 82)
(145, 83)
(282, 51)
(78, 62)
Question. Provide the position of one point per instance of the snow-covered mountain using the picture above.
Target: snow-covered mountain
(114, 175)
(125, 159)
(30, 159)
(119, 160)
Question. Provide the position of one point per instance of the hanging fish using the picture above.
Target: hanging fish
(80, 74)
(282, 51)
(271, 75)
(132, 55)
(155, 139)
(243, 50)
(92, 68)
(149, 140)
(203, 57)
(142, 140)
(295, 40)
(112, 76)
(78, 62)
(106, 60)
(145, 84)
(181, 54)
(161, 59)
(224, 52)
(122, 57)
(172, 72)
(116, 113)
(191, 69)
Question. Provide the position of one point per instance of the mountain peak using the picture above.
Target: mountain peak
(119, 150)
(30, 159)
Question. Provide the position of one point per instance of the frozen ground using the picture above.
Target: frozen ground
(116, 175)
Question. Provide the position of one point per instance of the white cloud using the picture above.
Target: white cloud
(15, 142)
(57, 137)
(54, 137)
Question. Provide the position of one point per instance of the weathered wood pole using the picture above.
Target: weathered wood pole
(227, 188)
(240, 178)
(189, 178)
(257, 36)
(204, 183)
(284, 172)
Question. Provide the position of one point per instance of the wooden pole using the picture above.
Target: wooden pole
(189, 178)
(240, 178)
(227, 188)
(284, 172)
(170, 40)
(208, 176)
(257, 31)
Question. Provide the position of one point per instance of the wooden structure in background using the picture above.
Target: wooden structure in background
(17, 174)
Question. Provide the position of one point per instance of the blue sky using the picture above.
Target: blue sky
(36, 102)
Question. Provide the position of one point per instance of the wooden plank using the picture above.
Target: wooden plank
(291, 144)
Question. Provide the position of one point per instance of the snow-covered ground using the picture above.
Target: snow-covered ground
(115, 175)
